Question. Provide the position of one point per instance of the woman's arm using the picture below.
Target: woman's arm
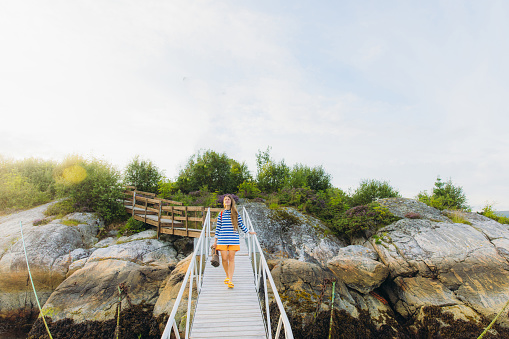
(243, 227)
(219, 224)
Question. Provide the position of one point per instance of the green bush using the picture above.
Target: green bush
(445, 196)
(25, 183)
(370, 190)
(330, 204)
(166, 188)
(131, 227)
(17, 193)
(271, 176)
(363, 220)
(215, 171)
(314, 178)
(92, 186)
(60, 208)
(488, 211)
(142, 174)
(248, 189)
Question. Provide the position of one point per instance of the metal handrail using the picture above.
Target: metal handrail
(194, 274)
(262, 272)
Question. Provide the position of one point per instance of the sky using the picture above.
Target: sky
(400, 91)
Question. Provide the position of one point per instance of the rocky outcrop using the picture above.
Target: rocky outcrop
(287, 233)
(78, 278)
(423, 275)
(459, 267)
(50, 248)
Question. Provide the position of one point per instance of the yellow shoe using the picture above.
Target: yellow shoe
(230, 285)
(227, 281)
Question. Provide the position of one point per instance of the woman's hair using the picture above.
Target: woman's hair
(234, 213)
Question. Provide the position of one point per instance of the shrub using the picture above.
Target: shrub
(60, 208)
(363, 220)
(40, 222)
(142, 174)
(216, 171)
(16, 192)
(445, 196)
(166, 188)
(457, 218)
(271, 176)
(314, 178)
(248, 189)
(92, 186)
(488, 211)
(131, 227)
(39, 173)
(370, 190)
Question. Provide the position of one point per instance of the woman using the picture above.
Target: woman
(227, 236)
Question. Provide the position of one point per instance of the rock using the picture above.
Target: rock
(81, 298)
(184, 246)
(400, 207)
(143, 252)
(48, 249)
(105, 242)
(355, 266)
(148, 234)
(308, 240)
(306, 291)
(78, 264)
(86, 218)
(456, 264)
(410, 294)
(169, 293)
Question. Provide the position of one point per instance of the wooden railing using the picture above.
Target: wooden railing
(168, 216)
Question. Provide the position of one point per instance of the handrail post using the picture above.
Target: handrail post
(172, 220)
(159, 218)
(134, 202)
(185, 211)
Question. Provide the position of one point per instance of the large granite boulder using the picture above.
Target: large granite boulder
(169, 293)
(357, 267)
(306, 291)
(460, 267)
(287, 233)
(51, 248)
(83, 298)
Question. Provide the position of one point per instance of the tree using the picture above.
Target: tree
(144, 175)
(445, 196)
(271, 176)
(92, 186)
(370, 190)
(213, 171)
(303, 176)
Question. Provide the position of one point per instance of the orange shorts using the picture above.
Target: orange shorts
(228, 247)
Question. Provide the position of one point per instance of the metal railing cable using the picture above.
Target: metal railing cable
(262, 274)
(193, 279)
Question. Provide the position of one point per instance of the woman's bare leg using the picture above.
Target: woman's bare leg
(231, 264)
(224, 261)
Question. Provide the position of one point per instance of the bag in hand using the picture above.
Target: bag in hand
(215, 258)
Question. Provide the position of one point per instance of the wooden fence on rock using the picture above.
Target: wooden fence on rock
(168, 216)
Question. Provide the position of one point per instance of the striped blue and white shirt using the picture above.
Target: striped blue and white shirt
(225, 233)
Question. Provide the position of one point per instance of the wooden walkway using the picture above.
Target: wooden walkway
(223, 312)
(169, 217)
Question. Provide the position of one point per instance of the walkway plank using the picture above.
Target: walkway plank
(222, 312)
